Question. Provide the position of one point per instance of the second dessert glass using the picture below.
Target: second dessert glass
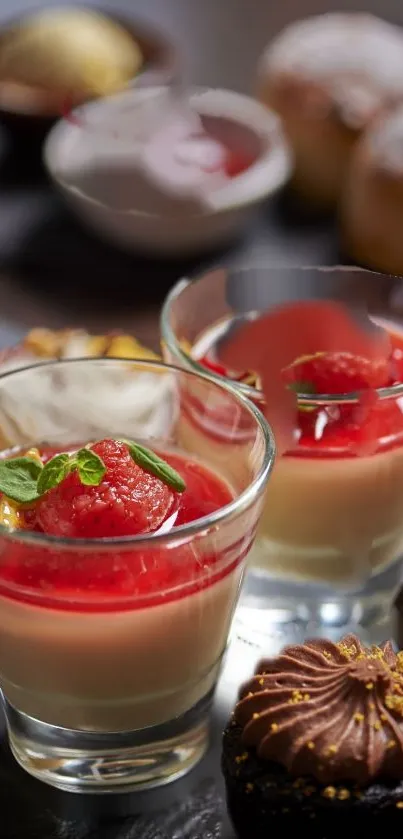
(110, 648)
(328, 553)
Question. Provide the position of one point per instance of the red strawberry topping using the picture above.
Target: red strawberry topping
(336, 373)
(214, 366)
(128, 500)
(357, 428)
(237, 162)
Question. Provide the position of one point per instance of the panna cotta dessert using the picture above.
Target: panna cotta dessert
(333, 515)
(122, 554)
(120, 639)
(333, 510)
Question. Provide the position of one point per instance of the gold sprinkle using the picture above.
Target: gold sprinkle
(44, 342)
(343, 794)
(298, 783)
(348, 652)
(391, 744)
(371, 706)
(274, 726)
(296, 697)
(310, 745)
(255, 716)
(377, 725)
(369, 685)
(306, 697)
(394, 703)
(241, 758)
(399, 805)
(358, 717)
(249, 787)
(126, 346)
(332, 750)
(329, 792)
(399, 662)
(384, 717)
(261, 682)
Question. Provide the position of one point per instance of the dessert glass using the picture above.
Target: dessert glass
(105, 690)
(328, 554)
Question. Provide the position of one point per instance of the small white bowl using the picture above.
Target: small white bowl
(89, 165)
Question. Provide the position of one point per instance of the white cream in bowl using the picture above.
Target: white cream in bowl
(147, 169)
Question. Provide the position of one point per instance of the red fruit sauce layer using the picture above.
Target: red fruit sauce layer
(89, 581)
(237, 162)
(364, 427)
(343, 430)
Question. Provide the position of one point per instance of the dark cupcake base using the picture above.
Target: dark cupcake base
(262, 797)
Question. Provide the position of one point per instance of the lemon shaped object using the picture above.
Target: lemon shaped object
(74, 50)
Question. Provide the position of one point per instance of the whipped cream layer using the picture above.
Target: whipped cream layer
(139, 401)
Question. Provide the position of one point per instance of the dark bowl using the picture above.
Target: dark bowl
(34, 110)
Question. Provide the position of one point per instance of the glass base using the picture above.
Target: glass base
(116, 762)
(271, 609)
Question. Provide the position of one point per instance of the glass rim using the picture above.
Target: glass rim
(184, 531)
(250, 392)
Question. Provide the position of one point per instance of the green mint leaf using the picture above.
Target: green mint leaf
(150, 462)
(91, 468)
(19, 478)
(53, 473)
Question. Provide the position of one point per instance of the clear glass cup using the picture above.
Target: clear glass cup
(107, 682)
(328, 556)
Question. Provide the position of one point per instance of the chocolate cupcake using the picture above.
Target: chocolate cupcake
(316, 742)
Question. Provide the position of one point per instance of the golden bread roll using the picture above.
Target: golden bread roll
(372, 206)
(71, 50)
(328, 77)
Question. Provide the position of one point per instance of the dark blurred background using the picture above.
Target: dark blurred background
(221, 39)
(53, 272)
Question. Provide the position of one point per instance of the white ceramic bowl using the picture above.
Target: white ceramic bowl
(70, 152)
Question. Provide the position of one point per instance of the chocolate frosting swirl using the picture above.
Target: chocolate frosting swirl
(331, 711)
